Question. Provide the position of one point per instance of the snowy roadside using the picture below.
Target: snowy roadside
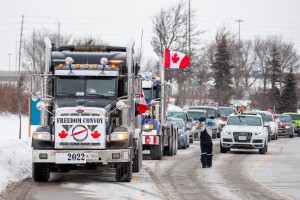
(15, 154)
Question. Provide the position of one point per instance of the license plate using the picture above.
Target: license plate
(70, 158)
(242, 137)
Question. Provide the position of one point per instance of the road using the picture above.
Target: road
(238, 174)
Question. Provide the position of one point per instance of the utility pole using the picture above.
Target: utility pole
(189, 27)
(33, 52)
(19, 81)
(239, 21)
(9, 61)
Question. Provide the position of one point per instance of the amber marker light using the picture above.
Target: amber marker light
(95, 66)
(77, 66)
(86, 66)
(60, 65)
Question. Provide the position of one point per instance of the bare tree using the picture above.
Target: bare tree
(171, 32)
(33, 48)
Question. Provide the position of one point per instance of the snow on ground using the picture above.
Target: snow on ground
(15, 153)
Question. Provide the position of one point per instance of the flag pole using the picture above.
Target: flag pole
(162, 78)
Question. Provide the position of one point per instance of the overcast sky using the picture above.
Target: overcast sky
(116, 21)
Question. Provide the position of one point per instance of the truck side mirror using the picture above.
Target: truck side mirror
(120, 105)
(41, 105)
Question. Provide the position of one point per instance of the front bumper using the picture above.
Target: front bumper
(285, 132)
(182, 141)
(94, 156)
(254, 143)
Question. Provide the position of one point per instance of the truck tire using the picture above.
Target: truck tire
(292, 136)
(156, 151)
(171, 147)
(124, 172)
(223, 149)
(138, 157)
(40, 172)
(264, 149)
(175, 142)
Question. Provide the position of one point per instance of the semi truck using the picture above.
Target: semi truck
(158, 136)
(88, 111)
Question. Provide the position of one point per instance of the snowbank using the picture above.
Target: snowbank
(15, 154)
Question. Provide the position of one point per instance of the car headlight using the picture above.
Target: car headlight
(119, 136)
(259, 133)
(148, 127)
(42, 136)
(181, 135)
(226, 132)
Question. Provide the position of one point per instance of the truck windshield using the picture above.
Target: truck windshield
(85, 86)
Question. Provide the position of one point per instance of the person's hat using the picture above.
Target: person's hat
(202, 119)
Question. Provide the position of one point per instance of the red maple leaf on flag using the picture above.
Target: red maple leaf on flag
(63, 134)
(175, 58)
(96, 134)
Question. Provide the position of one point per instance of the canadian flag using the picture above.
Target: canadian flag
(175, 59)
(142, 106)
(276, 117)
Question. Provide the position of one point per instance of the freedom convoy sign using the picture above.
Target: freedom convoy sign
(80, 132)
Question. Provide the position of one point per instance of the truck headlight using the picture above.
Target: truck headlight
(148, 127)
(42, 136)
(119, 136)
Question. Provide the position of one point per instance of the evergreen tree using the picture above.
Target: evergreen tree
(274, 67)
(289, 99)
(222, 73)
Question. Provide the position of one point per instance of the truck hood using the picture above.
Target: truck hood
(71, 102)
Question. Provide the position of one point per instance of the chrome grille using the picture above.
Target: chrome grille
(237, 134)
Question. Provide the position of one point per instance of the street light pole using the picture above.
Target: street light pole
(239, 21)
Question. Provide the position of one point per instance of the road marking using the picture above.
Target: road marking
(254, 178)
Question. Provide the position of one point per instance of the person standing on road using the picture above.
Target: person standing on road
(206, 144)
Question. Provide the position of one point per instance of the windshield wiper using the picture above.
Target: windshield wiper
(98, 95)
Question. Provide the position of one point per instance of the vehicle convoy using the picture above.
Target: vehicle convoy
(158, 136)
(244, 131)
(88, 111)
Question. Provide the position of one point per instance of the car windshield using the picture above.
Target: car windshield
(285, 119)
(270, 118)
(85, 86)
(211, 112)
(226, 111)
(196, 115)
(295, 117)
(244, 121)
(179, 115)
(178, 123)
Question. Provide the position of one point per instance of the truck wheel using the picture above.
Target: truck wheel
(175, 142)
(171, 147)
(223, 149)
(292, 136)
(138, 157)
(264, 149)
(40, 172)
(156, 151)
(124, 172)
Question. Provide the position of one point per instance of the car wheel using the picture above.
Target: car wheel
(264, 149)
(223, 149)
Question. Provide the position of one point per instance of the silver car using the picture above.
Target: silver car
(183, 134)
